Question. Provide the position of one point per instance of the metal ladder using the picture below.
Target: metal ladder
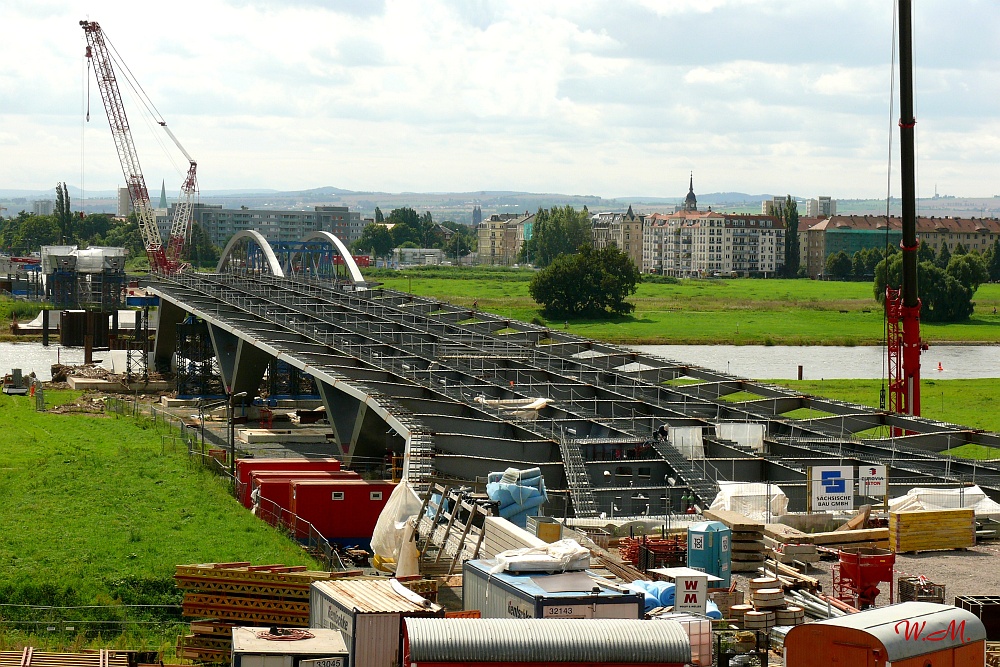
(577, 479)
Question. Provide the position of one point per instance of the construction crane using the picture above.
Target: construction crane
(903, 344)
(161, 260)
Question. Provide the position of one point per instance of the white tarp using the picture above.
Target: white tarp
(555, 557)
(751, 499)
(687, 440)
(946, 499)
(745, 434)
(390, 529)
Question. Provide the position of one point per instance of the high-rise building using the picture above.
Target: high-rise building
(821, 207)
(43, 207)
(124, 203)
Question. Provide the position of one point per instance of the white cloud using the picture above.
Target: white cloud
(599, 97)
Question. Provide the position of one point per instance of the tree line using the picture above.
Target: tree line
(26, 233)
(412, 230)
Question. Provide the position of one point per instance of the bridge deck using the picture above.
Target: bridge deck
(472, 392)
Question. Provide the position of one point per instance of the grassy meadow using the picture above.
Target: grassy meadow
(705, 311)
(97, 510)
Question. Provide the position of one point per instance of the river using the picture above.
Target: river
(752, 361)
(781, 362)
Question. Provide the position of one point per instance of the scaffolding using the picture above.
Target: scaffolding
(197, 369)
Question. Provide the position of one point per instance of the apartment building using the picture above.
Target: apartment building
(821, 207)
(693, 243)
(502, 235)
(625, 230)
(852, 233)
(277, 225)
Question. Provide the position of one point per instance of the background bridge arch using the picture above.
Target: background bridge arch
(249, 252)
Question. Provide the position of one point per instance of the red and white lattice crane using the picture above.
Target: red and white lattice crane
(161, 260)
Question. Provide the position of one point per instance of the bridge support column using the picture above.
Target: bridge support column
(345, 414)
(169, 317)
(241, 365)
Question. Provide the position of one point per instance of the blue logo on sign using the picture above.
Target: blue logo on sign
(832, 481)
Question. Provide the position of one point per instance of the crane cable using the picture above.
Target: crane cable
(888, 202)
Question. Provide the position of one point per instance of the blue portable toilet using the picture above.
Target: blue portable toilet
(710, 550)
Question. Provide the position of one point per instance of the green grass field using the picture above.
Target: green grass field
(716, 311)
(97, 510)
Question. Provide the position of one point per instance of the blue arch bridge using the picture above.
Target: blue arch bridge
(460, 393)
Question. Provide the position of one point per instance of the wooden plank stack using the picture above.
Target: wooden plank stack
(835, 539)
(928, 530)
(29, 657)
(747, 544)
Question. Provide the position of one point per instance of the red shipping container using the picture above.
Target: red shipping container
(275, 485)
(343, 511)
(246, 466)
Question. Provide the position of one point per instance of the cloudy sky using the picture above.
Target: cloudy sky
(619, 98)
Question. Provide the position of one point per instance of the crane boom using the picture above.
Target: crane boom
(161, 260)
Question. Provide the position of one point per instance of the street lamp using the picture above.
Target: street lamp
(669, 482)
(607, 480)
(232, 434)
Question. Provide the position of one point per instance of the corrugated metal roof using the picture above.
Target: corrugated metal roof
(546, 640)
(914, 628)
(369, 596)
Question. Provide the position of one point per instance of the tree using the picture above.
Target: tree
(791, 216)
(63, 214)
(200, 251)
(838, 265)
(375, 239)
(943, 257)
(969, 269)
(591, 283)
(378, 215)
(925, 253)
(125, 235)
(561, 230)
(943, 298)
(993, 261)
(959, 250)
(403, 232)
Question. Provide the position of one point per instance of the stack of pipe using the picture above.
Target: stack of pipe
(818, 606)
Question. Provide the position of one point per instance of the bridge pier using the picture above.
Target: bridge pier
(165, 345)
(241, 364)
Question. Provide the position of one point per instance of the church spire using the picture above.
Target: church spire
(163, 194)
(691, 202)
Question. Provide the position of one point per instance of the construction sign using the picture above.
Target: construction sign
(831, 488)
(872, 481)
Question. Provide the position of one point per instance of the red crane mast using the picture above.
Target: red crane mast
(903, 305)
(161, 260)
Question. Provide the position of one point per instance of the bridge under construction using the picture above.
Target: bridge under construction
(461, 393)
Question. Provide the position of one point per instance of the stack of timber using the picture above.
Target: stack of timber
(29, 657)
(929, 530)
(228, 594)
(747, 539)
(835, 539)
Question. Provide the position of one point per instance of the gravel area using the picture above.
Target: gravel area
(974, 571)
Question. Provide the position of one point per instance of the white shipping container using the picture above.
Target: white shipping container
(369, 613)
(542, 595)
(325, 649)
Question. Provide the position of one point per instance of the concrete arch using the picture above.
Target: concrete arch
(256, 237)
(345, 253)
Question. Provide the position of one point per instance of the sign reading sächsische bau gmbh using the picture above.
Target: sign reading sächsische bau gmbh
(832, 488)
